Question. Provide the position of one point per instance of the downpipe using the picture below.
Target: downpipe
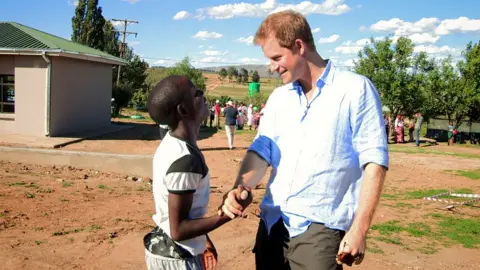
(47, 94)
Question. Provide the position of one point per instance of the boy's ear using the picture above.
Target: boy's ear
(182, 110)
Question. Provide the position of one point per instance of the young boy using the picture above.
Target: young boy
(181, 185)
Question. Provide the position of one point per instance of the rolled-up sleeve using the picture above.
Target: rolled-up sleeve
(264, 143)
(368, 132)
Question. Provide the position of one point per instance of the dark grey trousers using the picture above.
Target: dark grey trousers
(314, 249)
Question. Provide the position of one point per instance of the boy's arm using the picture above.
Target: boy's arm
(181, 227)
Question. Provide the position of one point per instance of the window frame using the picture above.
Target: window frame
(4, 82)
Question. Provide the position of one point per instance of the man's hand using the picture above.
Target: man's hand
(352, 248)
(235, 201)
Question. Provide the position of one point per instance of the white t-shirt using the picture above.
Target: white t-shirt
(179, 167)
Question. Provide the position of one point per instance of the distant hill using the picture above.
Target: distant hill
(261, 69)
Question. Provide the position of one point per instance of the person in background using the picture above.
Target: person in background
(411, 128)
(418, 127)
(450, 134)
(250, 117)
(231, 114)
(212, 115)
(386, 122)
(217, 110)
(399, 132)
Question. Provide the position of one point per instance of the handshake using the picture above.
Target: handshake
(235, 202)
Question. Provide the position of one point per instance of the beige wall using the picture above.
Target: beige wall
(30, 81)
(80, 95)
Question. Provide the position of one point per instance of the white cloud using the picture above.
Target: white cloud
(228, 11)
(427, 30)
(418, 38)
(131, 1)
(214, 53)
(181, 15)
(402, 28)
(247, 60)
(212, 59)
(349, 62)
(460, 25)
(73, 3)
(201, 46)
(316, 30)
(211, 47)
(247, 40)
(204, 35)
(134, 43)
(362, 28)
(329, 39)
(351, 47)
(434, 50)
(116, 23)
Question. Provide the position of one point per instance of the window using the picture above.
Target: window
(7, 94)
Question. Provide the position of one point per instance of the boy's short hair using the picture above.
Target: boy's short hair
(165, 97)
(286, 26)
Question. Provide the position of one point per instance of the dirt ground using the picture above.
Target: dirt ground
(65, 217)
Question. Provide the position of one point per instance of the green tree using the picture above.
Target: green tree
(88, 24)
(232, 72)
(223, 74)
(255, 77)
(256, 100)
(135, 73)
(388, 67)
(186, 69)
(239, 78)
(470, 70)
(112, 39)
(244, 74)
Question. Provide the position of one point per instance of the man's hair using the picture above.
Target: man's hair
(165, 97)
(286, 27)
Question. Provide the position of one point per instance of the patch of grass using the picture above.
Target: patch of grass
(62, 199)
(420, 194)
(427, 250)
(464, 191)
(94, 227)
(465, 231)
(39, 242)
(375, 250)
(29, 195)
(472, 174)
(2, 214)
(395, 241)
(77, 230)
(45, 190)
(418, 229)
(32, 186)
(67, 184)
(387, 196)
(421, 150)
(105, 187)
(17, 184)
(388, 227)
(404, 205)
(145, 187)
(38, 229)
(123, 220)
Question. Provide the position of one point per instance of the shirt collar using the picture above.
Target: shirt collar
(325, 78)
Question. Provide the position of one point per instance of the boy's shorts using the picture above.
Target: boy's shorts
(156, 262)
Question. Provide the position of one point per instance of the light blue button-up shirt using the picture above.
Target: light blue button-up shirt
(318, 150)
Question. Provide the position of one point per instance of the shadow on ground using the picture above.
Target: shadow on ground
(144, 131)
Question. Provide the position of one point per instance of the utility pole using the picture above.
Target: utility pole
(125, 22)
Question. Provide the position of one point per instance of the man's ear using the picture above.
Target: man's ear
(300, 47)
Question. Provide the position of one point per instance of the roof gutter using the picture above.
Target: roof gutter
(47, 94)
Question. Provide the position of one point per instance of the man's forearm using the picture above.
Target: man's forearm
(373, 178)
(252, 171)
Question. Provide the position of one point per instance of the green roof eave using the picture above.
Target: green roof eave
(64, 53)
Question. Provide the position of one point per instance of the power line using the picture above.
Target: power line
(125, 22)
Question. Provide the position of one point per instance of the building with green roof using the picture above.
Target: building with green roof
(51, 86)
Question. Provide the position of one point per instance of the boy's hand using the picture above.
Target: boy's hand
(209, 257)
(235, 201)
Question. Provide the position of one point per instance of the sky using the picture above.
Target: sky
(220, 32)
